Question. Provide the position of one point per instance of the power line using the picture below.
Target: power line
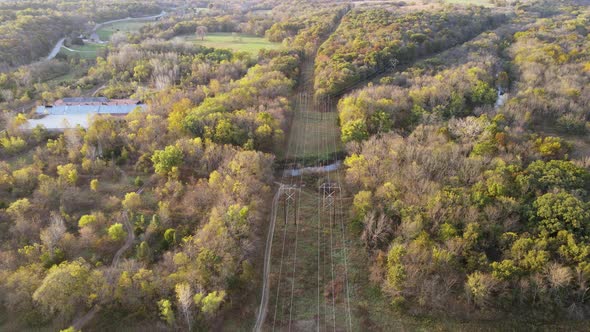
(344, 245)
(296, 220)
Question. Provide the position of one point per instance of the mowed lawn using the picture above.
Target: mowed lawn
(86, 51)
(240, 42)
(107, 31)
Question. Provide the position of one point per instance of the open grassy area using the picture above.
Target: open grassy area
(239, 42)
(306, 138)
(303, 274)
(86, 51)
(107, 31)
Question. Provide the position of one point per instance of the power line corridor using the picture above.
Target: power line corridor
(307, 273)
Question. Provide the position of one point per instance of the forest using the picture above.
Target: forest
(498, 216)
(368, 41)
(455, 133)
(29, 29)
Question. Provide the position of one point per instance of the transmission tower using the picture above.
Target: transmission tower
(290, 195)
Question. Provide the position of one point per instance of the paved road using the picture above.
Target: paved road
(56, 49)
(95, 36)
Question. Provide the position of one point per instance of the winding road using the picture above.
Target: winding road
(95, 36)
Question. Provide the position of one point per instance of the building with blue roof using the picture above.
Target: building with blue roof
(73, 112)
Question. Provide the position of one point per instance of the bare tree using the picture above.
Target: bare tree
(165, 70)
(184, 295)
(378, 230)
(201, 32)
(54, 232)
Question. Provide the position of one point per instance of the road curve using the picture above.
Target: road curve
(56, 49)
(267, 255)
(141, 18)
(60, 43)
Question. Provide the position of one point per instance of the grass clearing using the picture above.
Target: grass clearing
(305, 133)
(235, 42)
(86, 51)
(64, 78)
(105, 32)
(294, 286)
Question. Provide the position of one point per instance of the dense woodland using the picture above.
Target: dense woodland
(370, 41)
(466, 158)
(184, 183)
(467, 205)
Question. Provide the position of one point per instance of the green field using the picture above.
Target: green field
(240, 42)
(86, 51)
(314, 135)
(107, 31)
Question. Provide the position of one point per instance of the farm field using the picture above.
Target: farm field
(239, 42)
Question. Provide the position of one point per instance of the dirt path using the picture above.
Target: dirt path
(262, 310)
(111, 274)
(306, 85)
(296, 147)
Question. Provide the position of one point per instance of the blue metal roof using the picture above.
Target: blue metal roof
(87, 109)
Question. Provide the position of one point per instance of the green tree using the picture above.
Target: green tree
(117, 232)
(68, 174)
(165, 160)
(362, 203)
(483, 93)
(225, 132)
(19, 207)
(142, 72)
(70, 329)
(143, 251)
(504, 270)
(85, 220)
(94, 185)
(12, 144)
(552, 147)
(210, 303)
(170, 236)
(68, 287)
(355, 130)
(541, 175)
(132, 201)
(166, 312)
(561, 211)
